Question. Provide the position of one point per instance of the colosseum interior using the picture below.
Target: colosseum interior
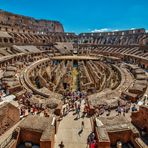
(59, 88)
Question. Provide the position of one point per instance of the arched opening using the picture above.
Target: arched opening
(11, 40)
(0, 40)
(44, 41)
(5, 40)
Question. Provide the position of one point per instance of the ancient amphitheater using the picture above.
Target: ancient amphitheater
(60, 89)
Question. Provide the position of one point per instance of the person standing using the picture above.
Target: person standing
(78, 111)
(63, 111)
(61, 145)
(82, 125)
(119, 110)
(124, 110)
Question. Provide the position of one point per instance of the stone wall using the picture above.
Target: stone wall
(140, 118)
(27, 24)
(28, 135)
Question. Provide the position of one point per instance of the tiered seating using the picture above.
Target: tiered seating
(138, 88)
(130, 37)
(13, 69)
(64, 47)
(24, 38)
(10, 80)
(25, 49)
(130, 54)
(6, 51)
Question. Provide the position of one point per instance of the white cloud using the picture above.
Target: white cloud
(146, 31)
(101, 30)
(104, 30)
(132, 28)
(116, 30)
(111, 30)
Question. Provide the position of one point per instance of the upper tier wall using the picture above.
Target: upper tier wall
(128, 37)
(123, 32)
(19, 22)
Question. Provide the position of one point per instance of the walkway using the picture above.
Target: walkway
(74, 77)
(68, 132)
(75, 57)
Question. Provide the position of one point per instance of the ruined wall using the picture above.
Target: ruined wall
(13, 22)
(13, 114)
(28, 135)
(140, 118)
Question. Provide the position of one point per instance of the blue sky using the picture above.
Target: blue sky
(85, 15)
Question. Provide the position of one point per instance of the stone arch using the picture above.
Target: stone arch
(11, 40)
(1, 40)
(5, 40)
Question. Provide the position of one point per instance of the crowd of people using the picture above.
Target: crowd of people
(122, 108)
(26, 107)
(72, 102)
(3, 91)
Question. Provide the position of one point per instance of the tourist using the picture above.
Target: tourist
(7, 92)
(119, 110)
(93, 144)
(82, 125)
(61, 145)
(63, 111)
(134, 108)
(124, 110)
(93, 136)
(118, 102)
(72, 106)
(1, 94)
(145, 99)
(75, 104)
(78, 111)
(84, 112)
(89, 140)
(21, 112)
(29, 109)
(128, 106)
(101, 111)
(67, 108)
(109, 110)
